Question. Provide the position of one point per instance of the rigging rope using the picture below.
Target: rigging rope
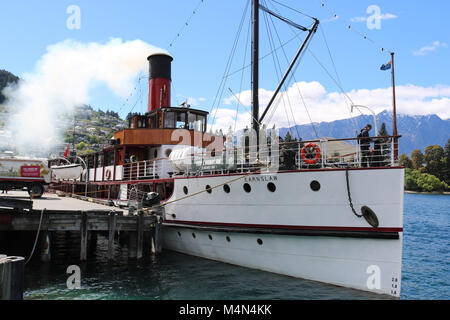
(185, 24)
(221, 88)
(278, 71)
(350, 27)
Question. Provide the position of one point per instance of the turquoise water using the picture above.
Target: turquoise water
(174, 276)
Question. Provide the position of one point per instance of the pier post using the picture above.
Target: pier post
(84, 235)
(112, 232)
(156, 234)
(140, 234)
(132, 245)
(12, 274)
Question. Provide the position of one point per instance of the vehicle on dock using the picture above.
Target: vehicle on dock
(32, 174)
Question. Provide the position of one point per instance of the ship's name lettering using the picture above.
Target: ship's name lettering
(261, 179)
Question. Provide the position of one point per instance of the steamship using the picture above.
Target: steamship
(316, 215)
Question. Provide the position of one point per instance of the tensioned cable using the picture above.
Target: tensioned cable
(293, 77)
(337, 75)
(350, 27)
(278, 71)
(185, 24)
(221, 88)
(285, 85)
(264, 56)
(242, 75)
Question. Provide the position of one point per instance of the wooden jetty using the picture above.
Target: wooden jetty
(82, 217)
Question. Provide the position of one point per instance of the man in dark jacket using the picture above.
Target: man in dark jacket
(364, 143)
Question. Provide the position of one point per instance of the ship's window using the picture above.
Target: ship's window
(226, 188)
(155, 154)
(193, 235)
(315, 185)
(196, 122)
(228, 238)
(247, 187)
(169, 119)
(208, 188)
(210, 237)
(191, 121)
(181, 120)
(100, 161)
(109, 158)
(168, 152)
(90, 162)
(152, 121)
(179, 234)
(260, 242)
(271, 187)
(185, 190)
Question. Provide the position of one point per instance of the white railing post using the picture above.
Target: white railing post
(392, 153)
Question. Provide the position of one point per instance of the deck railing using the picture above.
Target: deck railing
(286, 156)
(148, 169)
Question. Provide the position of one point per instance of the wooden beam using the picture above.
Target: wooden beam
(112, 232)
(84, 236)
(140, 234)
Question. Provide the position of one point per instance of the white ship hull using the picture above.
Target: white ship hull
(296, 231)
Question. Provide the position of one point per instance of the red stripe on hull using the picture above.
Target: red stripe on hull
(268, 226)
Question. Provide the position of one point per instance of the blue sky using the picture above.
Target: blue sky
(416, 30)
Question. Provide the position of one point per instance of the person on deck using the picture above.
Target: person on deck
(364, 143)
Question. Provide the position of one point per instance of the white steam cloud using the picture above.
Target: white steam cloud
(62, 79)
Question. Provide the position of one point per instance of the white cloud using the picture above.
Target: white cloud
(330, 106)
(430, 48)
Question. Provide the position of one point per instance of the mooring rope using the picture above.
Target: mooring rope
(37, 236)
(350, 196)
(199, 192)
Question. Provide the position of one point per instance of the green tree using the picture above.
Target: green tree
(80, 146)
(432, 157)
(383, 132)
(405, 161)
(417, 159)
(446, 163)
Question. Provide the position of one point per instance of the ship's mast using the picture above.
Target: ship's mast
(255, 65)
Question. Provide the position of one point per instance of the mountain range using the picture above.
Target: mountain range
(417, 132)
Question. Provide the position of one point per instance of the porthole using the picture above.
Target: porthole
(226, 188)
(179, 234)
(168, 152)
(185, 190)
(315, 185)
(260, 242)
(271, 187)
(208, 188)
(210, 237)
(174, 215)
(155, 154)
(228, 238)
(193, 235)
(247, 187)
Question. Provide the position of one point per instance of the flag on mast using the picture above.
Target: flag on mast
(67, 151)
(386, 66)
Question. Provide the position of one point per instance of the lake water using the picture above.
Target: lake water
(170, 276)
